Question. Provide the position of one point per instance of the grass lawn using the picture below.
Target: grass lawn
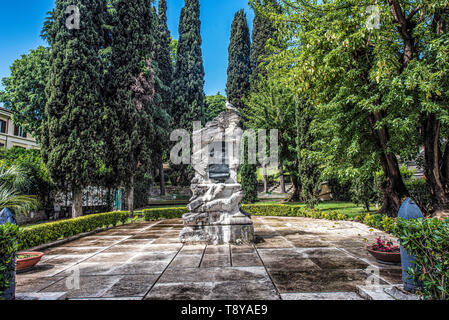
(344, 207)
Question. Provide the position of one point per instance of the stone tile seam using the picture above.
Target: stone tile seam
(98, 252)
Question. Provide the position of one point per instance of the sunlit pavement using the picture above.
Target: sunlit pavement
(294, 258)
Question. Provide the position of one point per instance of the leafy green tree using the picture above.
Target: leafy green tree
(239, 68)
(214, 106)
(272, 106)
(130, 130)
(70, 133)
(363, 190)
(24, 90)
(174, 52)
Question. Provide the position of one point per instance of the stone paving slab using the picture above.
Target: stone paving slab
(322, 296)
(294, 259)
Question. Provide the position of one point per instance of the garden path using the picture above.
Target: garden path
(294, 258)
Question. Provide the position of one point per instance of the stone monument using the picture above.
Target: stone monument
(215, 215)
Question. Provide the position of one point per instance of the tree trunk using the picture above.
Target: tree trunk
(265, 179)
(77, 203)
(162, 178)
(367, 206)
(445, 164)
(130, 195)
(294, 197)
(393, 188)
(282, 178)
(432, 156)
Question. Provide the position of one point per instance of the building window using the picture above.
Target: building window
(19, 132)
(3, 126)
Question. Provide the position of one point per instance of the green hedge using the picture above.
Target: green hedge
(164, 213)
(9, 235)
(428, 241)
(48, 232)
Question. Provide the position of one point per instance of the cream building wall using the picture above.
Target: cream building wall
(9, 140)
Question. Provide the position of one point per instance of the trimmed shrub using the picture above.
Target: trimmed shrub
(164, 213)
(9, 234)
(267, 209)
(48, 232)
(428, 241)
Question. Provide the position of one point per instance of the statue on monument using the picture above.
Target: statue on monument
(215, 215)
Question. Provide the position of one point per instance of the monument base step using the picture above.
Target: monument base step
(218, 234)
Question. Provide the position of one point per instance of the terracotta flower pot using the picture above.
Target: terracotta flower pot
(385, 257)
(27, 263)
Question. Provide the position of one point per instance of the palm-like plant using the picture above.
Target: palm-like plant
(11, 178)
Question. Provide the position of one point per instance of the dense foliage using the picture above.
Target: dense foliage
(34, 179)
(239, 66)
(379, 93)
(214, 106)
(428, 241)
(24, 90)
(130, 132)
(9, 235)
(188, 81)
(188, 84)
(70, 131)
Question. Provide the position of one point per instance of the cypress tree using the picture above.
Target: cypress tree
(263, 30)
(309, 170)
(239, 69)
(130, 129)
(237, 88)
(70, 133)
(163, 88)
(188, 85)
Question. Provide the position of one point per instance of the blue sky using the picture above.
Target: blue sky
(21, 23)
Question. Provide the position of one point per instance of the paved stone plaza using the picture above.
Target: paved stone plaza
(294, 258)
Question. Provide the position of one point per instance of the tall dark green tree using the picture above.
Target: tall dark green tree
(163, 99)
(188, 84)
(237, 88)
(263, 30)
(309, 166)
(70, 133)
(239, 68)
(130, 128)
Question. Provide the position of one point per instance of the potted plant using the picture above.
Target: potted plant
(27, 260)
(385, 252)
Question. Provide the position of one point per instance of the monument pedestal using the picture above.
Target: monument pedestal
(218, 234)
(215, 215)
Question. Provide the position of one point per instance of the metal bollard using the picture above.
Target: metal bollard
(409, 210)
(6, 216)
